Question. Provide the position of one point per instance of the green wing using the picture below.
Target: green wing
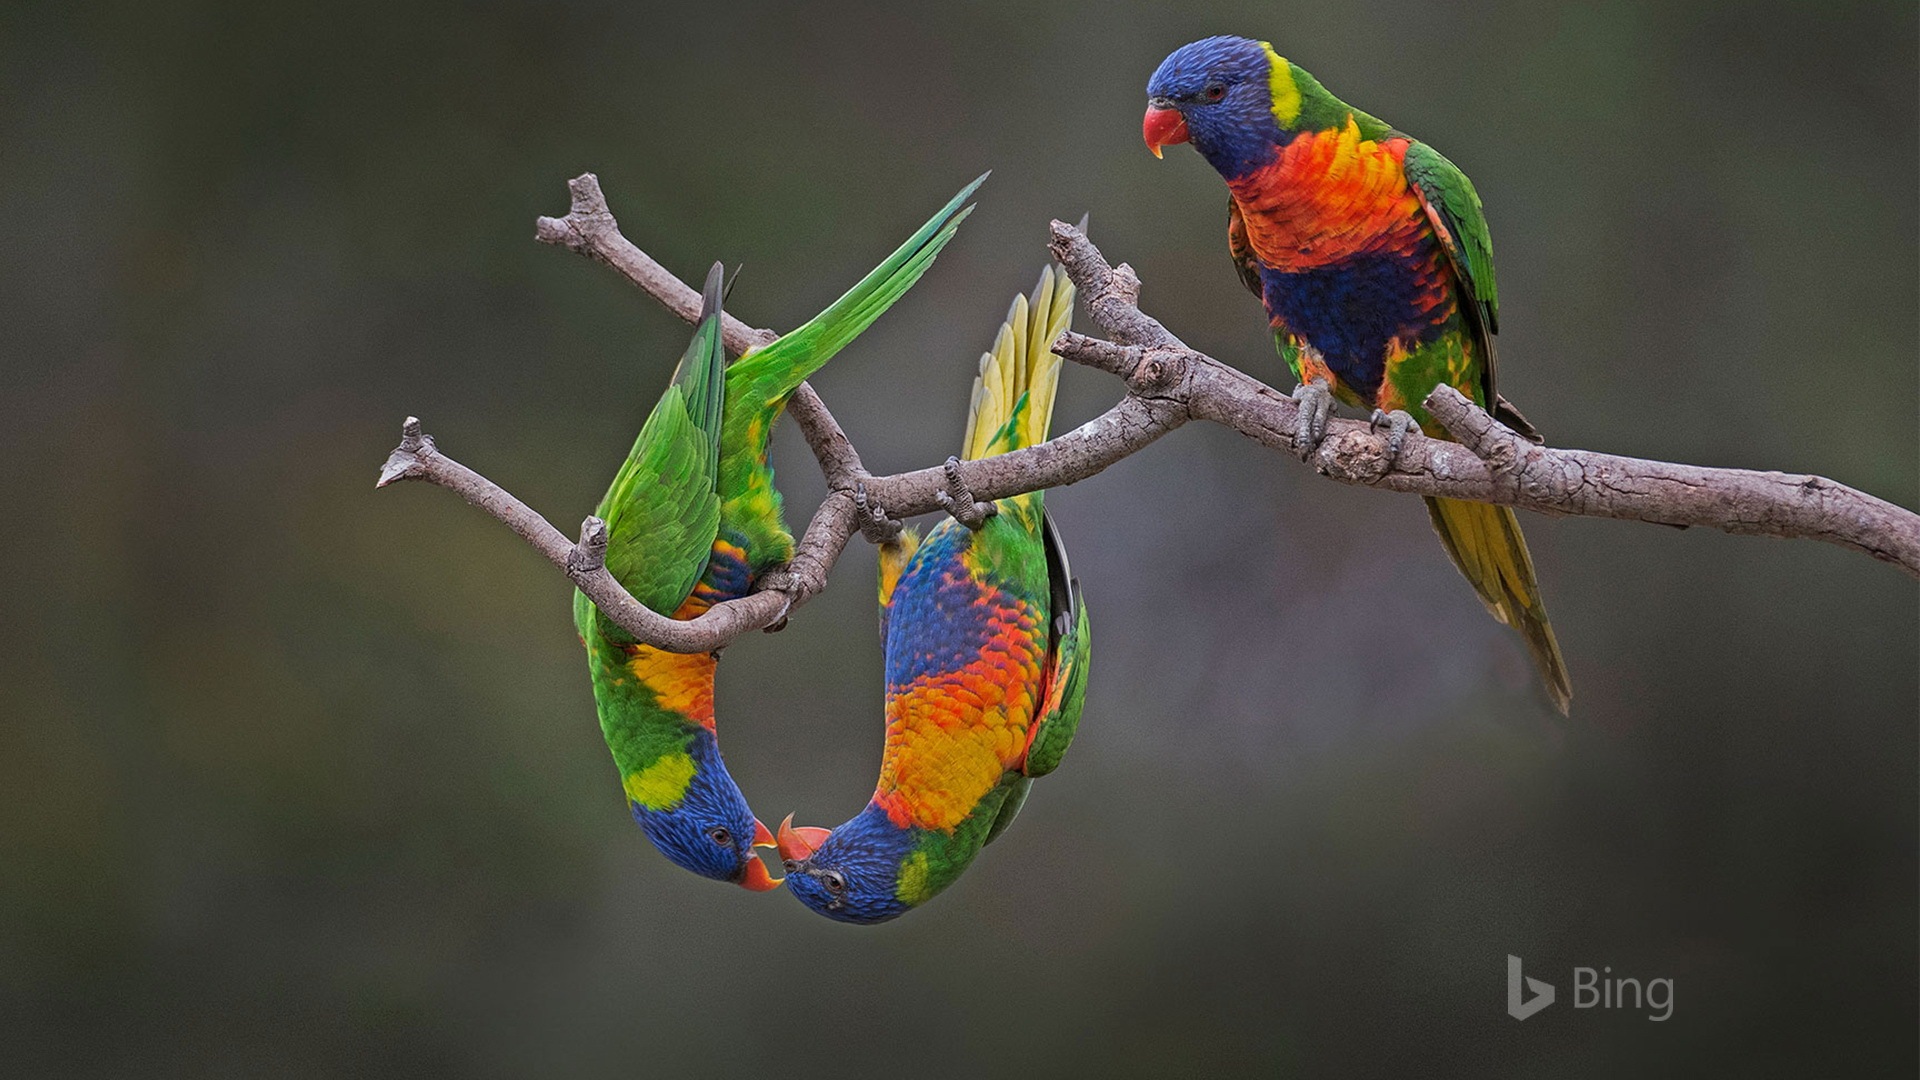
(1461, 221)
(663, 508)
(1453, 207)
(1071, 644)
(759, 383)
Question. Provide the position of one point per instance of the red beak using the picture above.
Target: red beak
(757, 876)
(1163, 127)
(799, 844)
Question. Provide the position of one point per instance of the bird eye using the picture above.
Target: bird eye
(1215, 91)
(720, 835)
(835, 882)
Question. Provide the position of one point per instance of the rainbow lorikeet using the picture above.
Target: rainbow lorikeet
(1371, 254)
(693, 519)
(985, 638)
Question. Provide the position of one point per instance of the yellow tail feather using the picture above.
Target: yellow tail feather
(1484, 541)
(1013, 395)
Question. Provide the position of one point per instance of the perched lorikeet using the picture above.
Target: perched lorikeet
(985, 638)
(693, 519)
(1371, 255)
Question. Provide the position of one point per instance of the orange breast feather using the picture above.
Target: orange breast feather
(952, 735)
(1329, 196)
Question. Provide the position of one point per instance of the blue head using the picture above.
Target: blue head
(852, 874)
(709, 829)
(1217, 93)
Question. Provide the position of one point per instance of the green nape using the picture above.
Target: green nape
(1311, 106)
(640, 730)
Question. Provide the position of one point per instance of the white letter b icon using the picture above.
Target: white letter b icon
(1518, 1006)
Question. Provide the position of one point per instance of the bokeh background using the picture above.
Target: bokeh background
(303, 779)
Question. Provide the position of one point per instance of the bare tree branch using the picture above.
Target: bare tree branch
(1491, 463)
(1167, 385)
(417, 458)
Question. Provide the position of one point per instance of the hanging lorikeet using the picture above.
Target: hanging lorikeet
(693, 519)
(985, 638)
(1371, 255)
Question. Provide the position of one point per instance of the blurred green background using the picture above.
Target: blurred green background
(303, 779)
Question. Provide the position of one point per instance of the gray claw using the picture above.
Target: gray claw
(1398, 423)
(1310, 427)
(957, 499)
(875, 525)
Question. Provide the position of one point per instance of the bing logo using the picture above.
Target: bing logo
(1518, 1006)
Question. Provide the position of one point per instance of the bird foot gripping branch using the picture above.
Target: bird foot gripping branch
(1315, 408)
(957, 499)
(1398, 424)
(875, 526)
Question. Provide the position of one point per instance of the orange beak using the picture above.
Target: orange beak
(799, 844)
(1163, 127)
(757, 877)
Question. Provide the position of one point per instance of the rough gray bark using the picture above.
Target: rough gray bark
(1489, 463)
(1167, 385)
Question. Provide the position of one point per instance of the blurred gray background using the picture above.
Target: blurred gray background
(302, 779)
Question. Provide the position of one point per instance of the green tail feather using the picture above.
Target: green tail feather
(1484, 541)
(702, 374)
(759, 383)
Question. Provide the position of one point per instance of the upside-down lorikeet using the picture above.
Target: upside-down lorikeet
(693, 519)
(985, 638)
(1371, 255)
